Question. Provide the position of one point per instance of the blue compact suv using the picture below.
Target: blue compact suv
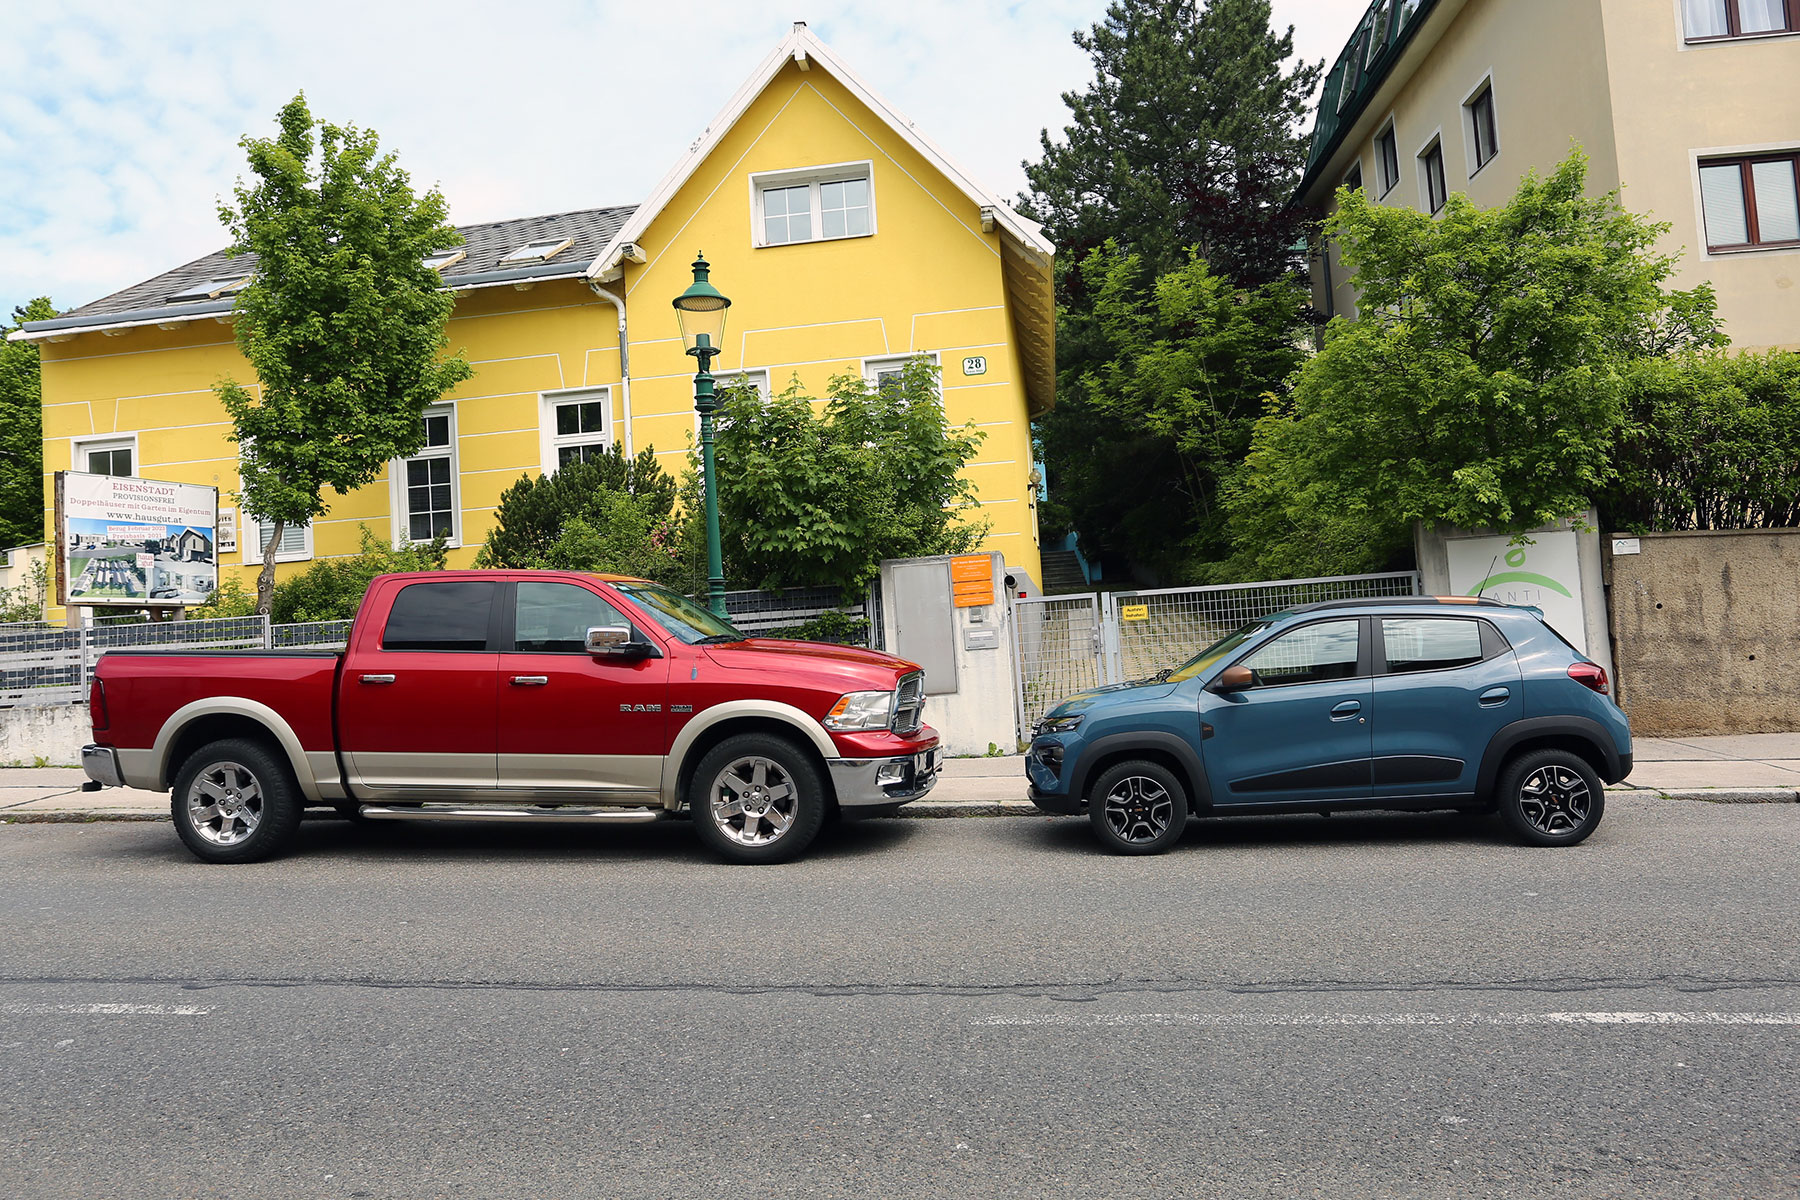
(1417, 703)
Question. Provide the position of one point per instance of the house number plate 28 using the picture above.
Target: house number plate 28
(976, 365)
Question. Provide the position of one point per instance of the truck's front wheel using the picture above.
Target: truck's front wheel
(235, 802)
(757, 799)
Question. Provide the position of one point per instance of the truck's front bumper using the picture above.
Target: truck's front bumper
(101, 764)
(874, 783)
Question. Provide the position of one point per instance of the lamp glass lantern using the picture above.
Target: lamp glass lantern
(701, 312)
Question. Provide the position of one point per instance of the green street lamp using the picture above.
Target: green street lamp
(701, 312)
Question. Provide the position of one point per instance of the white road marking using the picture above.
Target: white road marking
(105, 1010)
(1278, 1020)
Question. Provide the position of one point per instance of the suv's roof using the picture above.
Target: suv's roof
(1396, 602)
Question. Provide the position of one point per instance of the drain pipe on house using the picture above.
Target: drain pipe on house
(624, 360)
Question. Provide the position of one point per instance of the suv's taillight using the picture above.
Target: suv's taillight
(97, 704)
(1589, 675)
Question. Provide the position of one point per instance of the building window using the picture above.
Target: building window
(757, 380)
(1380, 25)
(1353, 180)
(1482, 132)
(296, 541)
(210, 289)
(542, 250)
(1431, 175)
(440, 259)
(112, 456)
(883, 374)
(1387, 159)
(815, 205)
(1709, 20)
(426, 482)
(578, 426)
(1751, 202)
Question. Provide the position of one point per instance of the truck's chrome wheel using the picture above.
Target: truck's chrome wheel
(1555, 800)
(754, 801)
(225, 803)
(1139, 809)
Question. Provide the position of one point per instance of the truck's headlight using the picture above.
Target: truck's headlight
(1066, 724)
(861, 711)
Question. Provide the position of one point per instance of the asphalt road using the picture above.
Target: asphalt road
(1383, 1006)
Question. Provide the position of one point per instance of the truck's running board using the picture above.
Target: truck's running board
(541, 814)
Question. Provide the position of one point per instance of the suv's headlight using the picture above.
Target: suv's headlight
(860, 711)
(1059, 724)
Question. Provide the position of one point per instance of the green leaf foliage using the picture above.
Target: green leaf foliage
(1711, 441)
(608, 513)
(1175, 369)
(819, 497)
(342, 322)
(25, 600)
(22, 432)
(331, 589)
(1481, 385)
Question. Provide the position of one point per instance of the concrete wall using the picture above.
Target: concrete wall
(56, 732)
(1706, 630)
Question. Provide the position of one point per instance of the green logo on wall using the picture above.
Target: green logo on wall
(1519, 577)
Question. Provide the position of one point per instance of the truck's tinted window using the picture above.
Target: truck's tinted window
(1429, 643)
(440, 616)
(1310, 654)
(553, 618)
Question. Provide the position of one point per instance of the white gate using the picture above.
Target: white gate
(1070, 643)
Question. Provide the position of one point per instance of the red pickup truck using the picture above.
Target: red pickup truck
(523, 695)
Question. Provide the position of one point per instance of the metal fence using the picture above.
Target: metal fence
(1069, 643)
(790, 612)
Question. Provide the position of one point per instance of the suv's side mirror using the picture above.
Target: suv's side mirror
(1234, 679)
(614, 641)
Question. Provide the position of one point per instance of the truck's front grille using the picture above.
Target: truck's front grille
(909, 703)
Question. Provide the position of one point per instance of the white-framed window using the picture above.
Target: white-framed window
(1387, 159)
(812, 204)
(425, 485)
(1432, 191)
(1480, 127)
(296, 543)
(884, 372)
(106, 455)
(756, 378)
(576, 425)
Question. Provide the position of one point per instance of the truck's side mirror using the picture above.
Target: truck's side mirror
(614, 641)
(1233, 679)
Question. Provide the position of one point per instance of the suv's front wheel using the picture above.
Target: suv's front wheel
(1551, 797)
(1138, 807)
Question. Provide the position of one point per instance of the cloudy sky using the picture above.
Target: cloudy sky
(119, 121)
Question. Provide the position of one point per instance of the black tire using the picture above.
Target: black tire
(1550, 797)
(1138, 807)
(235, 801)
(757, 798)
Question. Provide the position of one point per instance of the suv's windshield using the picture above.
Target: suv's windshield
(692, 623)
(1219, 649)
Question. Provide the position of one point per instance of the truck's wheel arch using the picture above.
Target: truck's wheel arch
(721, 720)
(270, 723)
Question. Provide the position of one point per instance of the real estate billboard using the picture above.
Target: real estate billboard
(124, 542)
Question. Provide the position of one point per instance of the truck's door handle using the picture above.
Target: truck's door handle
(1343, 710)
(378, 679)
(1494, 697)
(530, 680)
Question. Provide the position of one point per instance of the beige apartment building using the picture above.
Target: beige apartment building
(1690, 107)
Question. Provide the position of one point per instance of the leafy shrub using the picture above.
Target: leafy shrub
(332, 588)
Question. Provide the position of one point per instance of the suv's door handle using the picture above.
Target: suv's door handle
(1343, 710)
(1494, 696)
(377, 679)
(531, 680)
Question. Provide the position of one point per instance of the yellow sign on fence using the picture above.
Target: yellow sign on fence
(1134, 612)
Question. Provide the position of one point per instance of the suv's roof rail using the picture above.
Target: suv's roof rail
(1382, 601)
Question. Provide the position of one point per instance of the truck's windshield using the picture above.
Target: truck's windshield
(692, 623)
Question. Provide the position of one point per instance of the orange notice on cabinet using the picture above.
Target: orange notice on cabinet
(972, 580)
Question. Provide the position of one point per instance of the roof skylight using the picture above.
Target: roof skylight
(212, 289)
(443, 258)
(541, 250)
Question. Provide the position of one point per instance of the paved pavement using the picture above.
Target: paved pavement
(1746, 768)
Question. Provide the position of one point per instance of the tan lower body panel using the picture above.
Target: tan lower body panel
(391, 775)
(574, 773)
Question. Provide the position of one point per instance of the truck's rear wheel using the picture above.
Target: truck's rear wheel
(235, 802)
(757, 799)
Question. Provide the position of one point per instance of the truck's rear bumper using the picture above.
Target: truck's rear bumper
(101, 764)
(863, 783)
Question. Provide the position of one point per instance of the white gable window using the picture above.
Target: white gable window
(424, 485)
(106, 456)
(577, 425)
(816, 204)
(884, 373)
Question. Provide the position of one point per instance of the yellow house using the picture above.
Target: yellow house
(846, 240)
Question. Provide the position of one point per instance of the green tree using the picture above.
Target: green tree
(1482, 385)
(608, 513)
(332, 589)
(22, 432)
(342, 322)
(1175, 374)
(1191, 136)
(819, 498)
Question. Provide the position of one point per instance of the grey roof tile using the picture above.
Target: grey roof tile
(487, 243)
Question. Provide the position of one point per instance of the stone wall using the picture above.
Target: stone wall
(1706, 631)
(54, 732)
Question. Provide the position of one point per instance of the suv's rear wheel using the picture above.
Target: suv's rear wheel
(756, 798)
(1551, 797)
(1138, 807)
(235, 802)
